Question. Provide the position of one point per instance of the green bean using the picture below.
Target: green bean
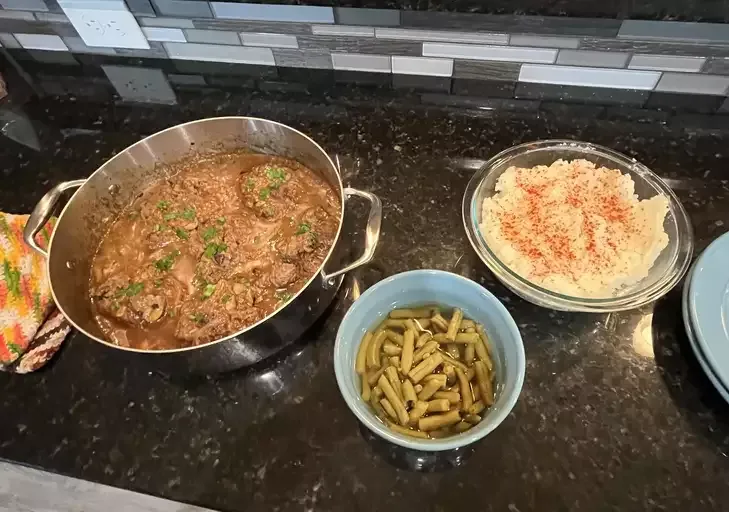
(439, 322)
(462, 426)
(411, 313)
(422, 323)
(417, 412)
(372, 378)
(467, 337)
(425, 351)
(472, 418)
(423, 339)
(379, 411)
(373, 350)
(437, 421)
(361, 365)
(406, 358)
(408, 431)
(452, 396)
(440, 378)
(439, 405)
(429, 389)
(366, 390)
(455, 324)
(395, 361)
(418, 388)
(465, 389)
(425, 367)
(394, 378)
(387, 406)
(397, 338)
(484, 382)
(408, 392)
(482, 349)
(476, 408)
(450, 373)
(395, 324)
(467, 324)
(390, 349)
(402, 415)
(469, 353)
(448, 359)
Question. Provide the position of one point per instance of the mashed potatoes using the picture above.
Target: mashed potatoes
(574, 228)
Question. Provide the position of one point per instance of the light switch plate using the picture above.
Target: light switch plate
(111, 26)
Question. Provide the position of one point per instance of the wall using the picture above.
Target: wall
(654, 63)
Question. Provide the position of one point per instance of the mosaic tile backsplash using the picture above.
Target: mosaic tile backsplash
(530, 57)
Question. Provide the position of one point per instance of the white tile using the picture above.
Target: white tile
(667, 63)
(220, 53)
(408, 34)
(422, 66)
(167, 22)
(361, 62)
(168, 35)
(147, 85)
(342, 30)
(41, 42)
(111, 28)
(589, 77)
(498, 53)
(262, 12)
(268, 40)
(694, 83)
(544, 41)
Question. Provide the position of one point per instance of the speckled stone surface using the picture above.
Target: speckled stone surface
(615, 413)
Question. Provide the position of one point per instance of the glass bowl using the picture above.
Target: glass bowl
(668, 269)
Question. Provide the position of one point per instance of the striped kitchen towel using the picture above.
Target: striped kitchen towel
(31, 329)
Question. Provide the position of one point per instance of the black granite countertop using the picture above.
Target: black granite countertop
(615, 413)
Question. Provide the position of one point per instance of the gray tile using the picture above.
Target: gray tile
(421, 83)
(480, 103)
(140, 7)
(486, 88)
(167, 23)
(368, 17)
(589, 77)
(17, 15)
(268, 40)
(179, 79)
(274, 27)
(677, 102)
(164, 34)
(422, 66)
(24, 5)
(147, 85)
(693, 83)
(544, 41)
(155, 51)
(717, 66)
(342, 30)
(211, 36)
(302, 59)
(409, 34)
(360, 62)
(263, 12)
(483, 52)
(53, 6)
(63, 58)
(359, 45)
(63, 29)
(52, 17)
(713, 50)
(724, 106)
(485, 70)
(667, 63)
(592, 58)
(77, 45)
(220, 53)
(674, 31)
(41, 42)
(581, 94)
(183, 8)
(26, 27)
(562, 26)
(9, 41)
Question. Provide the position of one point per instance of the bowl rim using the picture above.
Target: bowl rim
(673, 274)
(429, 445)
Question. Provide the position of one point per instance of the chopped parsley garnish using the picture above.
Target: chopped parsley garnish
(163, 205)
(264, 193)
(131, 290)
(208, 290)
(169, 216)
(304, 227)
(167, 262)
(214, 248)
(198, 318)
(188, 213)
(209, 233)
(159, 227)
(282, 295)
(181, 233)
(250, 184)
(220, 220)
(157, 283)
(225, 298)
(277, 177)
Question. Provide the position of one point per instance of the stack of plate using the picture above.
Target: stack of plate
(706, 312)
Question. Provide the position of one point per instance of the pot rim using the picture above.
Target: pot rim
(237, 333)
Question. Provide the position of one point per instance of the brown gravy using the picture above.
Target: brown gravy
(217, 247)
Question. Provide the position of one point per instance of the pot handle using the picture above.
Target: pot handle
(372, 233)
(42, 213)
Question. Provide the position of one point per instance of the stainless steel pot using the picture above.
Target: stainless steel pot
(99, 199)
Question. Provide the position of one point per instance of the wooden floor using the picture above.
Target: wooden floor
(24, 489)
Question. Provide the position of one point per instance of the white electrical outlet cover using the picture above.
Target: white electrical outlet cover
(109, 28)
